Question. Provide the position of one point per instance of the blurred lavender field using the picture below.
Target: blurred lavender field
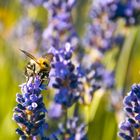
(91, 93)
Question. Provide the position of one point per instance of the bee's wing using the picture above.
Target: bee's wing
(30, 56)
(48, 56)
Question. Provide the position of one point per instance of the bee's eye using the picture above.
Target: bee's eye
(45, 64)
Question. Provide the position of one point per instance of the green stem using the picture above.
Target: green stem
(66, 117)
(124, 59)
(76, 110)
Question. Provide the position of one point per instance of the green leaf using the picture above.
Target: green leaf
(123, 61)
(103, 124)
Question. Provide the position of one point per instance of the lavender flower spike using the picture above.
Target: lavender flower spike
(130, 128)
(66, 77)
(60, 28)
(30, 110)
(74, 130)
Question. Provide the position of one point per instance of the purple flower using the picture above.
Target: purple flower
(66, 77)
(94, 78)
(30, 111)
(128, 10)
(55, 110)
(73, 130)
(60, 29)
(100, 31)
(129, 129)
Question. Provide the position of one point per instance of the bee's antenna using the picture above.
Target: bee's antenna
(22, 51)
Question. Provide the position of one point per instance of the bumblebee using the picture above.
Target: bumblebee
(38, 66)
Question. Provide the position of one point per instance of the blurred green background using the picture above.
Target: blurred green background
(103, 121)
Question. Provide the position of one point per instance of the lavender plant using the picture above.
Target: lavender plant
(73, 130)
(99, 38)
(60, 28)
(100, 34)
(129, 128)
(30, 112)
(66, 77)
(93, 78)
(68, 91)
(73, 77)
(101, 31)
(126, 9)
(129, 10)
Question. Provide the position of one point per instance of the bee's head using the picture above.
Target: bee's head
(44, 63)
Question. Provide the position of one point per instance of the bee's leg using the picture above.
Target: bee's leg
(44, 77)
(33, 68)
(30, 71)
(26, 74)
